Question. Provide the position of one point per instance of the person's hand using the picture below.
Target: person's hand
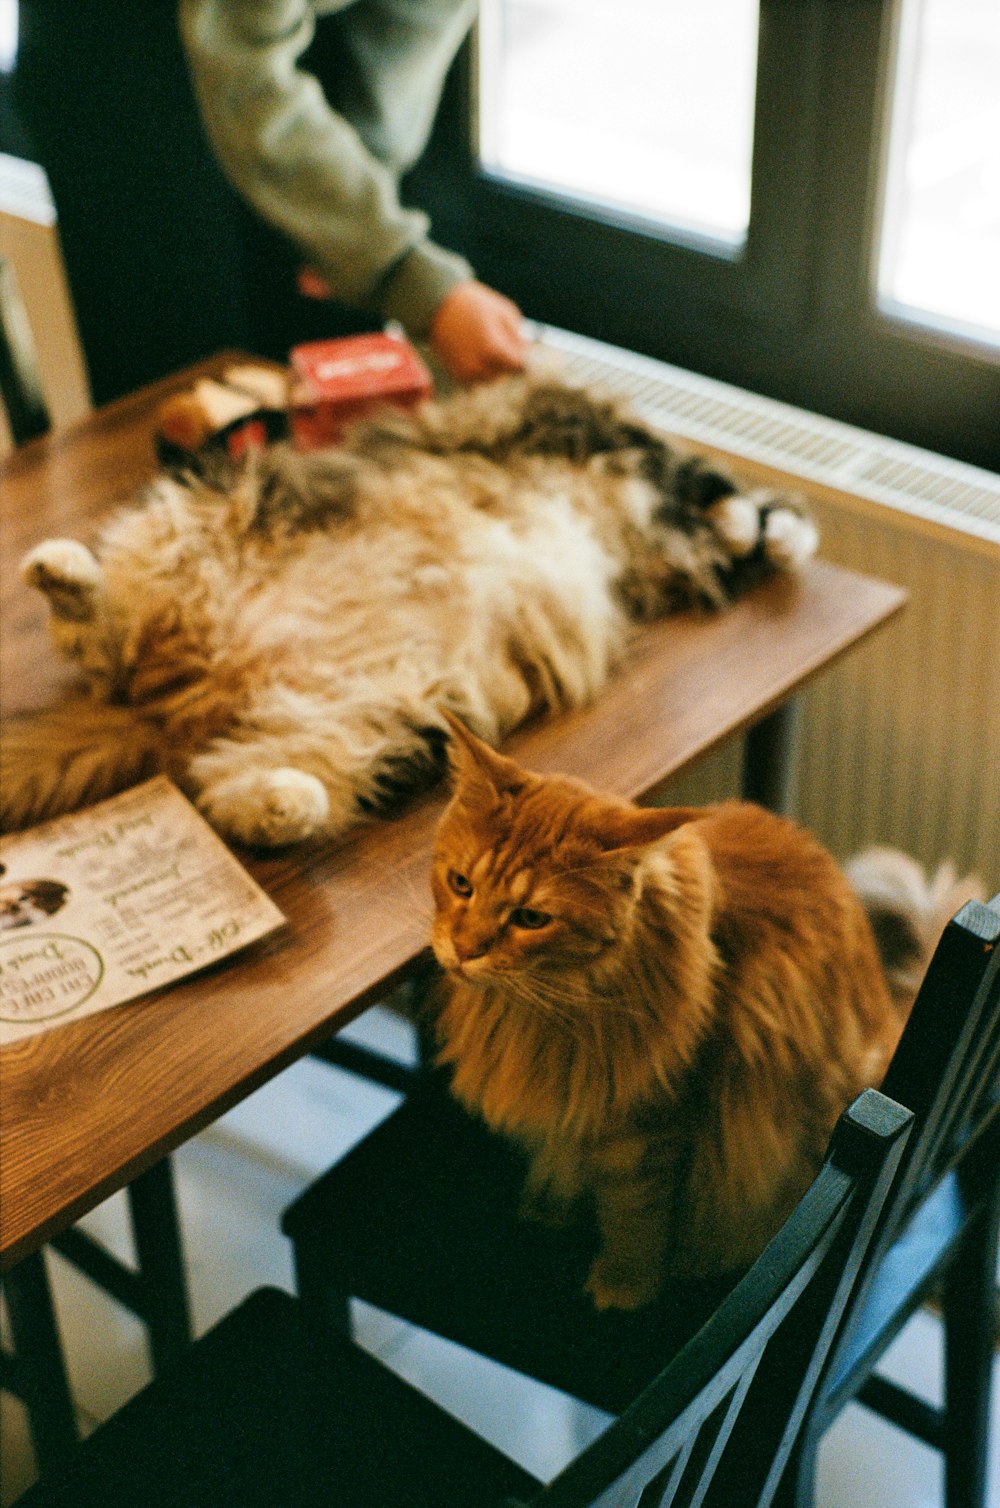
(477, 333)
(312, 284)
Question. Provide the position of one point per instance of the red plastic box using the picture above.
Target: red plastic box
(335, 382)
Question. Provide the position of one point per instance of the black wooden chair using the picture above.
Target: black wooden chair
(265, 1409)
(939, 1230)
(448, 1251)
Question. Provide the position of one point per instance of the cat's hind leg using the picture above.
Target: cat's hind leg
(761, 524)
(299, 764)
(265, 808)
(790, 537)
(784, 535)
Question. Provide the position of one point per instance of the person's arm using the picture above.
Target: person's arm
(304, 168)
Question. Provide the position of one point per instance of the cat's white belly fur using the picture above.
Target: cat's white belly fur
(513, 594)
(522, 618)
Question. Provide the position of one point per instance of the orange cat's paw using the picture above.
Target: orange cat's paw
(613, 1285)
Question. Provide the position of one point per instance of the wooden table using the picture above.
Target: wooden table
(87, 1107)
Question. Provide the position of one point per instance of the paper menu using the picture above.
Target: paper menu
(106, 904)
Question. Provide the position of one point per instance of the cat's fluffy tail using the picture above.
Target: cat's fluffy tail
(69, 757)
(908, 910)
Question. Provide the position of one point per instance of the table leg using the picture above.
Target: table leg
(37, 1371)
(155, 1289)
(155, 1226)
(769, 758)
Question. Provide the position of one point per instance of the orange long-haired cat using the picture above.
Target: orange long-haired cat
(667, 1008)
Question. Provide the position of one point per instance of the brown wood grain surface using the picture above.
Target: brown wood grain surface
(87, 1106)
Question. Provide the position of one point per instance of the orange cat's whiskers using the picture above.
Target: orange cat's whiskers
(546, 1003)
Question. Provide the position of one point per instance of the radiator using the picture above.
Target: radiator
(900, 742)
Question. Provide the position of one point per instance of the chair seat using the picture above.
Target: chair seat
(510, 1289)
(255, 1415)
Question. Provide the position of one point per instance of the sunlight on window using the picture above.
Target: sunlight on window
(940, 248)
(8, 34)
(633, 105)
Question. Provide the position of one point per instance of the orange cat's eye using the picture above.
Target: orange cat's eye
(524, 916)
(459, 883)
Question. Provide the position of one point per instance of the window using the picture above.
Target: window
(939, 258)
(605, 102)
(790, 195)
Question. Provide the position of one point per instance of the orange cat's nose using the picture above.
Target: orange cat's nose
(469, 952)
(466, 958)
(453, 953)
(472, 936)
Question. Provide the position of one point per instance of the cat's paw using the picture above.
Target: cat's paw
(613, 1284)
(790, 539)
(267, 809)
(736, 520)
(67, 573)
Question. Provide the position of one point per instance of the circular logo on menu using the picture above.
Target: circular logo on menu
(46, 974)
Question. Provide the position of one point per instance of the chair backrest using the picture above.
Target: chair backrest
(946, 1068)
(20, 381)
(667, 1446)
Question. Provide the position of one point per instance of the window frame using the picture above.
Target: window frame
(793, 312)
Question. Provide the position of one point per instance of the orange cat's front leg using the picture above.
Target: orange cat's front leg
(553, 1187)
(634, 1202)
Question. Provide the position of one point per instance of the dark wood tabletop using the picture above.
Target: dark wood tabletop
(86, 1107)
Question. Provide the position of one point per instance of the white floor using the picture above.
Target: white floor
(234, 1181)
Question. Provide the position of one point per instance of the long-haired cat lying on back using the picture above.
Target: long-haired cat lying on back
(281, 644)
(666, 1008)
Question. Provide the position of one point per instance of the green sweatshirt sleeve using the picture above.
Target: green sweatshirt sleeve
(305, 168)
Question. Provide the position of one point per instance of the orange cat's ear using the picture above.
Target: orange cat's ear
(620, 827)
(473, 762)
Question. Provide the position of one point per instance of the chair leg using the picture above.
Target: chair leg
(41, 1370)
(968, 1306)
(156, 1229)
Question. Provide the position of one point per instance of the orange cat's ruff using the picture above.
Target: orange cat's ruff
(281, 644)
(668, 1009)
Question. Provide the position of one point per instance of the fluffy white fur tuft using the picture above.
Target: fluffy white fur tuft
(908, 909)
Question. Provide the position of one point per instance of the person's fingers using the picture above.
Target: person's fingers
(478, 333)
(312, 285)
